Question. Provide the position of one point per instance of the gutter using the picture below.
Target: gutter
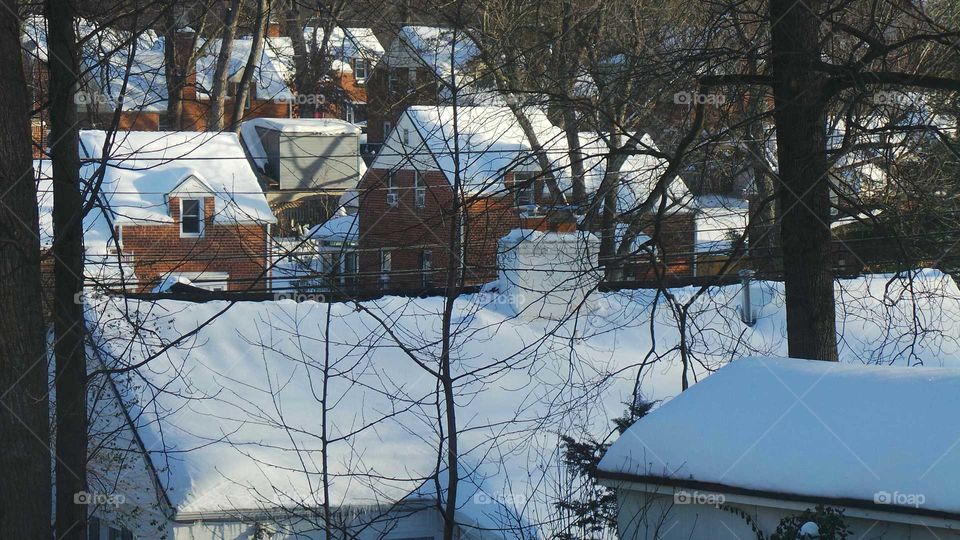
(859, 508)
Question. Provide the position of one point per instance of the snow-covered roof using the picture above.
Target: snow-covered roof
(144, 167)
(316, 126)
(105, 55)
(272, 72)
(98, 235)
(715, 218)
(807, 428)
(341, 227)
(230, 416)
(347, 43)
(490, 142)
(445, 51)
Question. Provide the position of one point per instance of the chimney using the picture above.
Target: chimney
(184, 42)
(273, 29)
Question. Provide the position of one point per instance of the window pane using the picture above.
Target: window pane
(190, 217)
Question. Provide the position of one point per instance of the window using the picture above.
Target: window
(351, 268)
(191, 217)
(523, 189)
(119, 534)
(412, 78)
(392, 196)
(348, 113)
(93, 528)
(392, 80)
(406, 136)
(360, 68)
(420, 190)
(385, 267)
(387, 128)
(209, 281)
(426, 267)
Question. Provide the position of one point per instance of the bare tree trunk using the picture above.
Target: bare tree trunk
(174, 74)
(572, 128)
(218, 93)
(24, 404)
(805, 198)
(67, 252)
(256, 51)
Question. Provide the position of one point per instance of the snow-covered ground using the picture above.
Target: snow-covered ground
(232, 414)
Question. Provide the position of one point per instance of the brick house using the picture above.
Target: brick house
(104, 63)
(416, 68)
(354, 54)
(174, 206)
(407, 195)
(144, 104)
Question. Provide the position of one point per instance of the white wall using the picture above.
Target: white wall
(547, 275)
(647, 516)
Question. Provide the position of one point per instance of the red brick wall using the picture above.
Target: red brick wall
(139, 121)
(385, 105)
(237, 249)
(195, 112)
(407, 230)
(404, 228)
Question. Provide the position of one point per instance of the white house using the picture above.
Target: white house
(763, 439)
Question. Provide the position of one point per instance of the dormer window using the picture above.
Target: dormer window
(360, 68)
(523, 190)
(191, 218)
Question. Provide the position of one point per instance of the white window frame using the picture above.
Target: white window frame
(200, 218)
(393, 195)
(386, 266)
(387, 128)
(208, 281)
(426, 267)
(348, 113)
(524, 196)
(392, 80)
(412, 78)
(360, 66)
(419, 190)
(406, 136)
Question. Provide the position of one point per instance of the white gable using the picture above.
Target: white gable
(191, 186)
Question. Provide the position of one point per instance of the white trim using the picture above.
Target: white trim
(791, 506)
(210, 281)
(200, 211)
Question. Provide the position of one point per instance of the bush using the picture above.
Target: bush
(828, 519)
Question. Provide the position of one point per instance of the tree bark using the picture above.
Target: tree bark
(218, 93)
(253, 60)
(24, 403)
(67, 252)
(801, 117)
(174, 74)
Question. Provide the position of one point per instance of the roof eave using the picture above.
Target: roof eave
(856, 507)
